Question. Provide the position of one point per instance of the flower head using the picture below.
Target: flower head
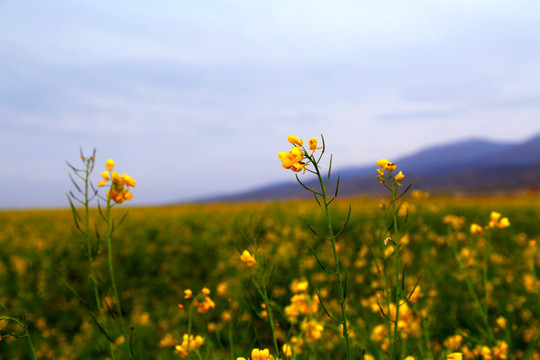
(119, 190)
(497, 222)
(248, 258)
(399, 176)
(189, 343)
(386, 165)
(295, 140)
(313, 145)
(204, 305)
(476, 229)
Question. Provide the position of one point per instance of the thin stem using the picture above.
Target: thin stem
(479, 306)
(396, 254)
(264, 294)
(336, 262)
(26, 333)
(113, 280)
(189, 326)
(97, 297)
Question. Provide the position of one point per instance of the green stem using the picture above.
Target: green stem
(336, 262)
(26, 333)
(479, 306)
(395, 338)
(264, 294)
(190, 315)
(97, 297)
(113, 280)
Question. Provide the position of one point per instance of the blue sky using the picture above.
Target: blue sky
(194, 98)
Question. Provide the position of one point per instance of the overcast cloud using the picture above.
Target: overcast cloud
(196, 98)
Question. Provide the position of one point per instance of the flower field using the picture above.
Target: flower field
(206, 281)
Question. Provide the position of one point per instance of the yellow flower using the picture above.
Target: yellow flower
(205, 291)
(128, 180)
(504, 223)
(109, 165)
(257, 354)
(313, 145)
(295, 140)
(387, 165)
(248, 258)
(496, 221)
(501, 322)
(382, 163)
(399, 176)
(455, 356)
(205, 305)
(194, 343)
(188, 294)
(312, 329)
(476, 229)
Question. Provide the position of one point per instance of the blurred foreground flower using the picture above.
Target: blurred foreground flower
(257, 354)
(189, 343)
(248, 258)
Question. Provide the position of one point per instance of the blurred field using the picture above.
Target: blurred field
(159, 252)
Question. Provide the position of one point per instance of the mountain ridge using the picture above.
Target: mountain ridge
(470, 166)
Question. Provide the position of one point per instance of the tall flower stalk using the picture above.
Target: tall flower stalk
(117, 194)
(297, 159)
(392, 181)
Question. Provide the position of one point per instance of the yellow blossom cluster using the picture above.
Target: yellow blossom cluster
(294, 159)
(388, 167)
(257, 354)
(495, 222)
(301, 304)
(312, 329)
(500, 351)
(202, 302)
(189, 343)
(119, 191)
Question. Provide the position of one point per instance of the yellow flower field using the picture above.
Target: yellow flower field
(163, 251)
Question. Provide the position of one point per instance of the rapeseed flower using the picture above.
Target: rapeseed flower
(455, 356)
(205, 304)
(295, 140)
(497, 221)
(194, 342)
(476, 229)
(248, 258)
(313, 145)
(257, 354)
(109, 165)
(119, 189)
(388, 167)
(295, 158)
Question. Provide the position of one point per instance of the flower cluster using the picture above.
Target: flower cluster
(257, 354)
(495, 222)
(119, 190)
(189, 343)
(389, 168)
(202, 302)
(294, 159)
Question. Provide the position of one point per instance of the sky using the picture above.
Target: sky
(196, 98)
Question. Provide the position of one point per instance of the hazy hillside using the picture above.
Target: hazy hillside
(471, 166)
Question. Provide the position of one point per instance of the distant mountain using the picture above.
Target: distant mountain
(467, 167)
